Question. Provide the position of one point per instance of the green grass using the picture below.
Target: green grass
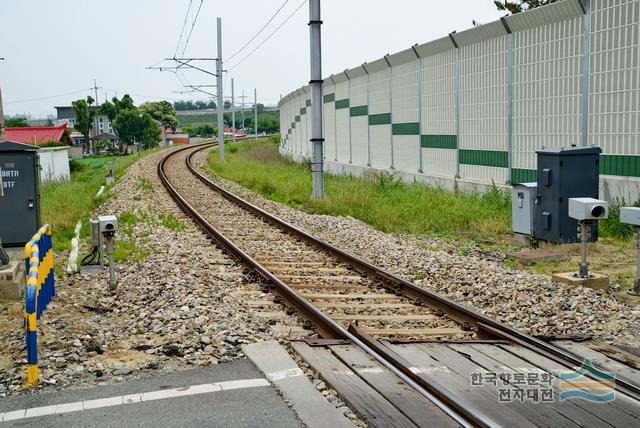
(64, 203)
(380, 200)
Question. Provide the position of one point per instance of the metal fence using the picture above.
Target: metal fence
(474, 106)
(40, 290)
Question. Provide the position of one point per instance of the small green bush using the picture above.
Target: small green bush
(612, 227)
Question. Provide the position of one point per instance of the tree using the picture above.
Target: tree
(16, 122)
(134, 126)
(84, 119)
(268, 124)
(517, 6)
(163, 112)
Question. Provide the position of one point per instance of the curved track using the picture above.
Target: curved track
(341, 296)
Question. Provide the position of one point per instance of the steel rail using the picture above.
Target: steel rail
(454, 406)
(328, 328)
(486, 327)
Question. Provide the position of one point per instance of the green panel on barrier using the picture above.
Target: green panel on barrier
(484, 158)
(308, 103)
(303, 110)
(380, 119)
(523, 175)
(329, 98)
(623, 165)
(359, 111)
(297, 118)
(340, 104)
(411, 128)
(438, 141)
(293, 126)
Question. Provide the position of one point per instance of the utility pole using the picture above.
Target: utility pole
(220, 96)
(233, 113)
(255, 113)
(95, 88)
(243, 97)
(317, 140)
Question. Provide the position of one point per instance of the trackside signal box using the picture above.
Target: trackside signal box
(565, 173)
(19, 193)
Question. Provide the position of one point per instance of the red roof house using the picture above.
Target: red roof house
(37, 136)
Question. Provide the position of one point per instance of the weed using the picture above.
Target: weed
(128, 251)
(171, 222)
(145, 184)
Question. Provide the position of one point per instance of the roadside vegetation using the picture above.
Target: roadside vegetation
(381, 200)
(63, 203)
(393, 206)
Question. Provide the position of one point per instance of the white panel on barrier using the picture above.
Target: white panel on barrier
(438, 162)
(546, 91)
(359, 120)
(406, 155)
(614, 112)
(380, 147)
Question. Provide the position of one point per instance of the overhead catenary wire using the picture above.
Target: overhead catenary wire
(49, 97)
(184, 25)
(193, 24)
(259, 31)
(269, 36)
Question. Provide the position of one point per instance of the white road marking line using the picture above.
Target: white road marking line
(162, 394)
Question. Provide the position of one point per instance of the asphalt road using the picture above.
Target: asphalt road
(217, 403)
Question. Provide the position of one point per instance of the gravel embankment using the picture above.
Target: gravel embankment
(479, 279)
(181, 306)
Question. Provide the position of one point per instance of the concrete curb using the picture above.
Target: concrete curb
(312, 408)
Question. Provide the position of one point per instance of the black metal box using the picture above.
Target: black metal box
(19, 194)
(562, 174)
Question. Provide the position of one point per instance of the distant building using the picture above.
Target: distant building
(102, 125)
(36, 135)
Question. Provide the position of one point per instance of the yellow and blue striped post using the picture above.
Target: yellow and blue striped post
(40, 290)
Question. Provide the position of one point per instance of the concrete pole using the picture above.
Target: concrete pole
(255, 113)
(243, 96)
(233, 112)
(220, 93)
(3, 136)
(317, 140)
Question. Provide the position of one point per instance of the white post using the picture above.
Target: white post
(220, 93)
(3, 136)
(233, 113)
(317, 140)
(255, 113)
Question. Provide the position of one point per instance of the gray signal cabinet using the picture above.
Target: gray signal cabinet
(562, 174)
(19, 194)
(523, 212)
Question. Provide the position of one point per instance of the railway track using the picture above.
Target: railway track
(365, 316)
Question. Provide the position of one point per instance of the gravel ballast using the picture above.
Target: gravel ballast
(180, 302)
(478, 278)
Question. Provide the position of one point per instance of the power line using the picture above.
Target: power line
(193, 24)
(48, 97)
(268, 37)
(259, 31)
(184, 24)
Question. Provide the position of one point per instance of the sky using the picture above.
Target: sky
(53, 50)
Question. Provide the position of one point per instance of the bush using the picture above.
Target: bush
(275, 139)
(612, 227)
(76, 166)
(106, 146)
(54, 144)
